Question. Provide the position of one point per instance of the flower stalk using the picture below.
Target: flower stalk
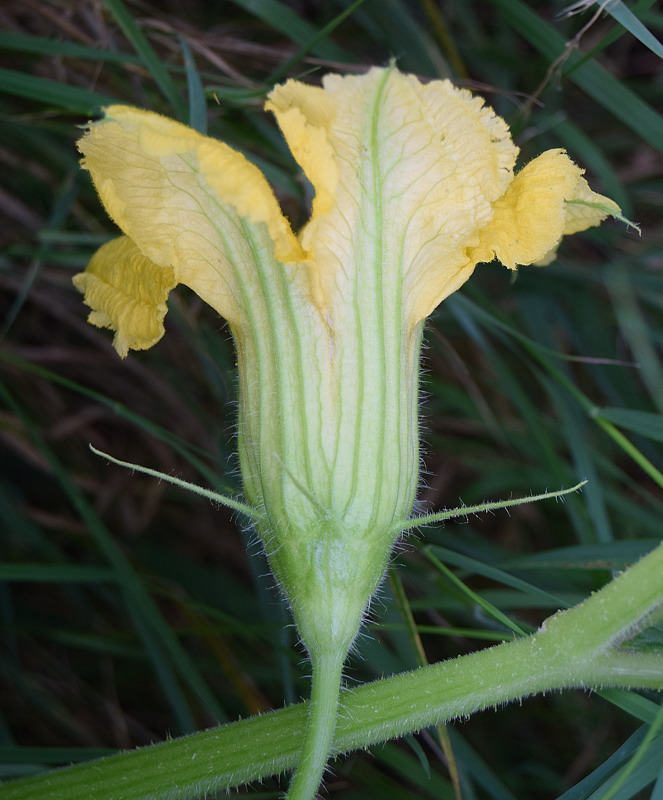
(320, 724)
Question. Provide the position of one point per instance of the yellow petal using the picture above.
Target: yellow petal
(587, 209)
(188, 202)
(127, 293)
(547, 199)
(405, 175)
(305, 115)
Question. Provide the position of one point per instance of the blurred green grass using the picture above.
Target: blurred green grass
(131, 610)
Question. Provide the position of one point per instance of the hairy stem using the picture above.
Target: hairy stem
(320, 725)
(575, 648)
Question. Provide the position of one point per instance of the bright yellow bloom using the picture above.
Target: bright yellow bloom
(414, 185)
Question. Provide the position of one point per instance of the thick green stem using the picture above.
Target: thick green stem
(575, 648)
(320, 725)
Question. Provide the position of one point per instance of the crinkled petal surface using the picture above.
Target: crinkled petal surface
(189, 203)
(414, 186)
(587, 209)
(547, 199)
(405, 176)
(127, 293)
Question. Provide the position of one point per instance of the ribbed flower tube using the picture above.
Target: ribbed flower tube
(328, 446)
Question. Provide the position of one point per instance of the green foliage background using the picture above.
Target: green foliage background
(130, 610)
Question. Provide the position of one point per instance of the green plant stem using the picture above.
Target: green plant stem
(574, 648)
(323, 709)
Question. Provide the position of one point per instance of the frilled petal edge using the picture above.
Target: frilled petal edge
(127, 293)
(547, 199)
(188, 202)
(304, 114)
(405, 175)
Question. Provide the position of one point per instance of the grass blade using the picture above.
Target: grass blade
(197, 104)
(622, 13)
(157, 635)
(149, 58)
(644, 423)
(590, 76)
(40, 45)
(282, 18)
(52, 93)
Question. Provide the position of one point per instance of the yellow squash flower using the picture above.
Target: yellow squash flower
(414, 185)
